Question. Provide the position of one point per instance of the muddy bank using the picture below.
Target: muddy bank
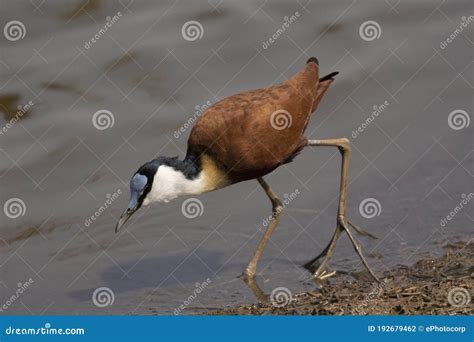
(430, 287)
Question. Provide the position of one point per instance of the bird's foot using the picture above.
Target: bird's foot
(317, 266)
(344, 224)
(324, 275)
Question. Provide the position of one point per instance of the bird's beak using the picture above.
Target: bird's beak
(125, 216)
(132, 207)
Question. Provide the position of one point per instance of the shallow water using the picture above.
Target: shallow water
(151, 79)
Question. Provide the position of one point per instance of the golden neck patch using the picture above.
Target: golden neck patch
(213, 176)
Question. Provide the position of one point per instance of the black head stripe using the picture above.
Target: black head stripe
(190, 167)
(149, 170)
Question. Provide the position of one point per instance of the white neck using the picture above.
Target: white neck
(169, 183)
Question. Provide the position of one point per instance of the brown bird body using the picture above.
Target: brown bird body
(250, 134)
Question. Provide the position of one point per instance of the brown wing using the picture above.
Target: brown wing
(252, 133)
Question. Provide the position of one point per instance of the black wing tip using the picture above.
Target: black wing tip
(312, 60)
(329, 77)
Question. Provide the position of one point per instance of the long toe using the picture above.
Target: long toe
(361, 231)
(325, 275)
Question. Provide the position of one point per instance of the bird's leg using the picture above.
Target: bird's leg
(343, 144)
(277, 208)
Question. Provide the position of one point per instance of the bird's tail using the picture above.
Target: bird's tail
(329, 77)
(323, 85)
(309, 80)
(325, 78)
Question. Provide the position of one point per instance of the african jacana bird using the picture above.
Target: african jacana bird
(238, 139)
